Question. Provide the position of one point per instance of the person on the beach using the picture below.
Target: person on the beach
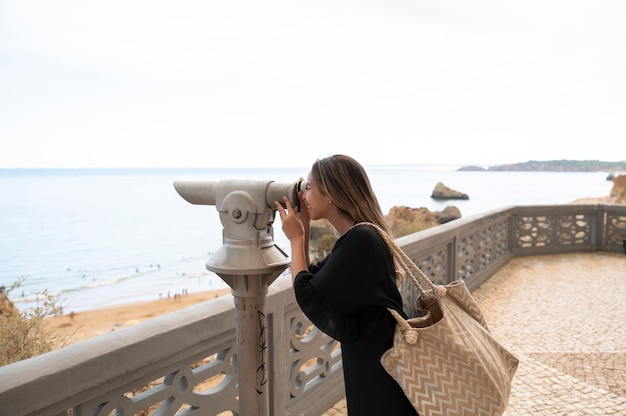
(346, 294)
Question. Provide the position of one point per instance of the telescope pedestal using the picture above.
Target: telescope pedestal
(249, 261)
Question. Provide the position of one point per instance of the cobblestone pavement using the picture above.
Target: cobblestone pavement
(564, 317)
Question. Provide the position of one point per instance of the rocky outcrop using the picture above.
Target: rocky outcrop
(618, 191)
(441, 191)
(405, 220)
(448, 214)
(400, 215)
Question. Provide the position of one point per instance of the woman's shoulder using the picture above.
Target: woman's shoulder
(365, 232)
(365, 228)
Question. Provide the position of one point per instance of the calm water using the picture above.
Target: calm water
(103, 237)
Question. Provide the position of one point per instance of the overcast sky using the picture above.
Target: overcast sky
(280, 83)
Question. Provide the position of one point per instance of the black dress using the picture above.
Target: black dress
(346, 296)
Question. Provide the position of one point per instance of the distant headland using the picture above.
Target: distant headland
(554, 166)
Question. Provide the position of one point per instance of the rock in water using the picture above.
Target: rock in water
(448, 214)
(443, 192)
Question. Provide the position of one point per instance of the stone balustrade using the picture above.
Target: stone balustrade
(184, 363)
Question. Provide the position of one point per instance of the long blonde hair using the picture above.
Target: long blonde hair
(345, 181)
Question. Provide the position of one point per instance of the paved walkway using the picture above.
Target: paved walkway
(564, 317)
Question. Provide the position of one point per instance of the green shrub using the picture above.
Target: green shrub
(23, 334)
(323, 238)
(321, 246)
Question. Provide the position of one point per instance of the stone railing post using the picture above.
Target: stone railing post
(248, 261)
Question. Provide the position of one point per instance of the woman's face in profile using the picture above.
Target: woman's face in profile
(316, 203)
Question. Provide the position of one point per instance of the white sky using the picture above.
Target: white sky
(280, 83)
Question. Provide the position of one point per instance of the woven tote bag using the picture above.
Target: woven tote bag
(446, 360)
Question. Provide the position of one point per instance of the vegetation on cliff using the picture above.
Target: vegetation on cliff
(554, 166)
(24, 334)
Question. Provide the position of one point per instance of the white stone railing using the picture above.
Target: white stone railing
(184, 363)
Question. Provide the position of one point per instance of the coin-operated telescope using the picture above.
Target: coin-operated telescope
(248, 261)
(247, 212)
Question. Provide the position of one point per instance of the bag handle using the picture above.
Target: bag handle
(405, 264)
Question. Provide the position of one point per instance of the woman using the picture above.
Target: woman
(347, 293)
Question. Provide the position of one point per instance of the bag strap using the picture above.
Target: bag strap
(405, 264)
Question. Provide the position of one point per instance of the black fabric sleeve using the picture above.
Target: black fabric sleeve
(324, 315)
(357, 273)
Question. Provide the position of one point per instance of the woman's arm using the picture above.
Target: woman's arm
(298, 234)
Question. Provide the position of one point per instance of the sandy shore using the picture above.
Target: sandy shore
(80, 326)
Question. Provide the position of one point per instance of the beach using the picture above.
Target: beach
(79, 326)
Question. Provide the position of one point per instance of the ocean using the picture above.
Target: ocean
(104, 237)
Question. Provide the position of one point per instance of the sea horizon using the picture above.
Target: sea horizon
(99, 237)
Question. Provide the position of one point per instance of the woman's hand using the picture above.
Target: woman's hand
(297, 233)
(292, 224)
